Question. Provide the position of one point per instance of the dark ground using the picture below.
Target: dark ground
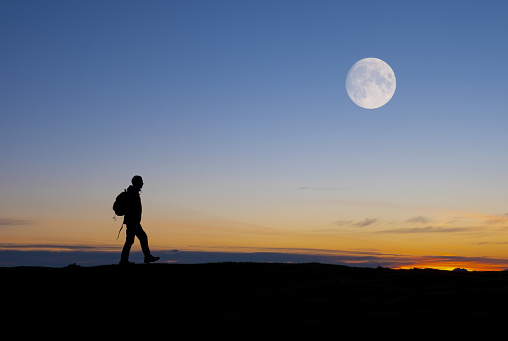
(250, 297)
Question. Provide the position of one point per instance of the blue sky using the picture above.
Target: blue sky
(238, 110)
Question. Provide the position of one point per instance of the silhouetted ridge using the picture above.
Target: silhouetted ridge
(254, 295)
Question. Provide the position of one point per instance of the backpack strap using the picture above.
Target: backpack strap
(119, 232)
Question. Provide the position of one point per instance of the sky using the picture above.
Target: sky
(235, 113)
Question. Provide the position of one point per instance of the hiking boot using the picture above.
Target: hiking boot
(150, 259)
(125, 262)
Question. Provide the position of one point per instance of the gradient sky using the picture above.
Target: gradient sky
(236, 115)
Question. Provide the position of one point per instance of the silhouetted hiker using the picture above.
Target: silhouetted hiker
(132, 219)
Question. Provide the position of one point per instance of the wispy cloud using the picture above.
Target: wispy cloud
(343, 222)
(418, 220)
(366, 222)
(15, 222)
(305, 188)
(490, 243)
(55, 247)
(428, 229)
(501, 219)
(362, 223)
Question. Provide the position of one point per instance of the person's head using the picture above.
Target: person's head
(137, 182)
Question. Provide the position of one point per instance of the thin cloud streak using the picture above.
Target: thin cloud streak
(15, 222)
(418, 220)
(322, 188)
(366, 222)
(362, 223)
(427, 229)
(56, 247)
(490, 243)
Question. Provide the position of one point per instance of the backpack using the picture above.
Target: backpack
(120, 205)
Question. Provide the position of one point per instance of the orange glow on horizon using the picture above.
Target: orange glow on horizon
(216, 235)
(450, 267)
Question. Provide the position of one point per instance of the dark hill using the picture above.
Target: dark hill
(250, 296)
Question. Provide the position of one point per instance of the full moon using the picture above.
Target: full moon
(370, 83)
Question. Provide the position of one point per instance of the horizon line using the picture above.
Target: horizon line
(58, 255)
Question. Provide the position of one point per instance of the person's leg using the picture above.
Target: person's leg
(143, 240)
(129, 240)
